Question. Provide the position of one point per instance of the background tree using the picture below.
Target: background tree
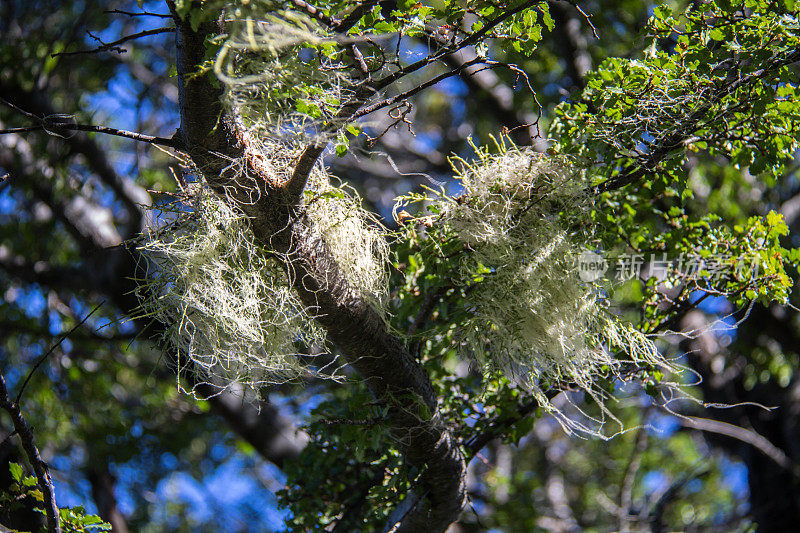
(683, 128)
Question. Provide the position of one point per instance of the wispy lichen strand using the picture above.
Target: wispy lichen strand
(228, 310)
(228, 307)
(282, 73)
(523, 220)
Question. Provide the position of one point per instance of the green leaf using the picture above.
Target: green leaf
(16, 471)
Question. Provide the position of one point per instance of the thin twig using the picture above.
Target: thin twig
(113, 46)
(135, 14)
(52, 348)
(422, 86)
(587, 17)
(467, 41)
(39, 466)
(350, 422)
(42, 333)
(54, 128)
(20, 130)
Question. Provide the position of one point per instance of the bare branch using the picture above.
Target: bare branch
(489, 90)
(55, 128)
(114, 46)
(131, 195)
(745, 435)
(137, 14)
(422, 86)
(587, 17)
(453, 48)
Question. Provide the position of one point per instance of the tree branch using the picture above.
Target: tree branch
(138, 14)
(131, 195)
(80, 217)
(60, 125)
(275, 437)
(656, 515)
(750, 437)
(112, 272)
(102, 482)
(685, 129)
(39, 466)
(352, 323)
(114, 46)
(60, 129)
(499, 426)
(43, 273)
(489, 90)
(352, 109)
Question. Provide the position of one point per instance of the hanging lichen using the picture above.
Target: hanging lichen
(229, 308)
(230, 311)
(523, 220)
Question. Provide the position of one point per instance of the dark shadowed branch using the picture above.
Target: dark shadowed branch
(114, 46)
(39, 466)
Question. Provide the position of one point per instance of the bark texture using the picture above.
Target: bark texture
(381, 358)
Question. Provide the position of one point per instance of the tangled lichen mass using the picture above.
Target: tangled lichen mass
(230, 312)
(523, 219)
(230, 308)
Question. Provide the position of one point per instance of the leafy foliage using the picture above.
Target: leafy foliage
(71, 519)
(684, 147)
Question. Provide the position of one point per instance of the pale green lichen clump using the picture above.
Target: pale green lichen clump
(228, 311)
(353, 236)
(524, 218)
(282, 73)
